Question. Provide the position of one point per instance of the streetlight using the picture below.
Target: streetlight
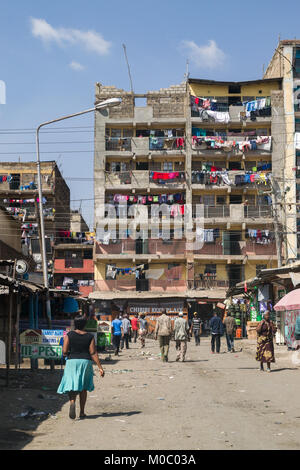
(104, 104)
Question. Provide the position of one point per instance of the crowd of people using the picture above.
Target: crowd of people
(80, 349)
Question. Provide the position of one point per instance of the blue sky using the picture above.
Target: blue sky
(53, 53)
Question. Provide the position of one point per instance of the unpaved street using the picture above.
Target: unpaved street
(209, 402)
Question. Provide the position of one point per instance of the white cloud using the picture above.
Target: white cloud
(76, 65)
(90, 40)
(206, 56)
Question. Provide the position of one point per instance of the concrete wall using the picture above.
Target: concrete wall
(10, 231)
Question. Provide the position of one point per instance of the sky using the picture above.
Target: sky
(53, 53)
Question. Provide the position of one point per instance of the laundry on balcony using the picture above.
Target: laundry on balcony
(249, 178)
(207, 235)
(263, 237)
(76, 237)
(256, 108)
(297, 140)
(162, 178)
(5, 178)
(260, 143)
(113, 271)
(177, 198)
(212, 177)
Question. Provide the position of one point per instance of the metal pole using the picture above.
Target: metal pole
(42, 224)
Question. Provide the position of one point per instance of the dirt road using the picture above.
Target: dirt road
(209, 402)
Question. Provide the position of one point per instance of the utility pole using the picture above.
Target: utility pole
(276, 223)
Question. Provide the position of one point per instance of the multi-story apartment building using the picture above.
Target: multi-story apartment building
(285, 63)
(19, 196)
(73, 257)
(192, 145)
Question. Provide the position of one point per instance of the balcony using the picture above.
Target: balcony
(119, 144)
(135, 285)
(207, 282)
(155, 249)
(222, 111)
(236, 178)
(214, 212)
(236, 250)
(258, 212)
(235, 145)
(143, 179)
(167, 143)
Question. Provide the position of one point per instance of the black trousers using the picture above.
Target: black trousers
(134, 335)
(125, 340)
(116, 343)
(215, 342)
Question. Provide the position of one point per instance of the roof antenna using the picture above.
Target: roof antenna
(129, 73)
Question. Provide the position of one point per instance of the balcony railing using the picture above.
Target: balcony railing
(141, 178)
(213, 211)
(251, 212)
(207, 282)
(141, 285)
(140, 247)
(118, 143)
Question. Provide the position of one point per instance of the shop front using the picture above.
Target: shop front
(152, 309)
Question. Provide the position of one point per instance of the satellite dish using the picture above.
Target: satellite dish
(21, 266)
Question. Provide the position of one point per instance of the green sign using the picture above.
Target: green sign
(43, 351)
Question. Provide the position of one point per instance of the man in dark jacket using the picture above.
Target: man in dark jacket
(216, 329)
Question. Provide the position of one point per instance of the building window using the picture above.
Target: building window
(234, 89)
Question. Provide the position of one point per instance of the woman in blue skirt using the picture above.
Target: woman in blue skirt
(80, 348)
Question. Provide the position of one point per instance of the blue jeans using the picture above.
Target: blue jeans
(197, 337)
(230, 342)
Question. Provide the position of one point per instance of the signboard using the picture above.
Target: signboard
(46, 344)
(41, 351)
(172, 307)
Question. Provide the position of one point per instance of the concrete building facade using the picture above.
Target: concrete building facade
(285, 63)
(195, 144)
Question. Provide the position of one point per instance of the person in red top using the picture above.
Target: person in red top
(135, 326)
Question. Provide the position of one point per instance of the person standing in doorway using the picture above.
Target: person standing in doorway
(143, 329)
(126, 331)
(162, 332)
(135, 327)
(117, 333)
(230, 327)
(216, 329)
(196, 328)
(265, 346)
(181, 330)
(80, 349)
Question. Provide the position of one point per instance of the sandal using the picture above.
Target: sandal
(72, 411)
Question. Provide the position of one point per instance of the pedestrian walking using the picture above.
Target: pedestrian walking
(135, 327)
(196, 328)
(143, 329)
(117, 332)
(216, 329)
(126, 331)
(230, 327)
(265, 346)
(80, 349)
(162, 332)
(181, 330)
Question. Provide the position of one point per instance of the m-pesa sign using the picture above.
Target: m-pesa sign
(41, 351)
(45, 344)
